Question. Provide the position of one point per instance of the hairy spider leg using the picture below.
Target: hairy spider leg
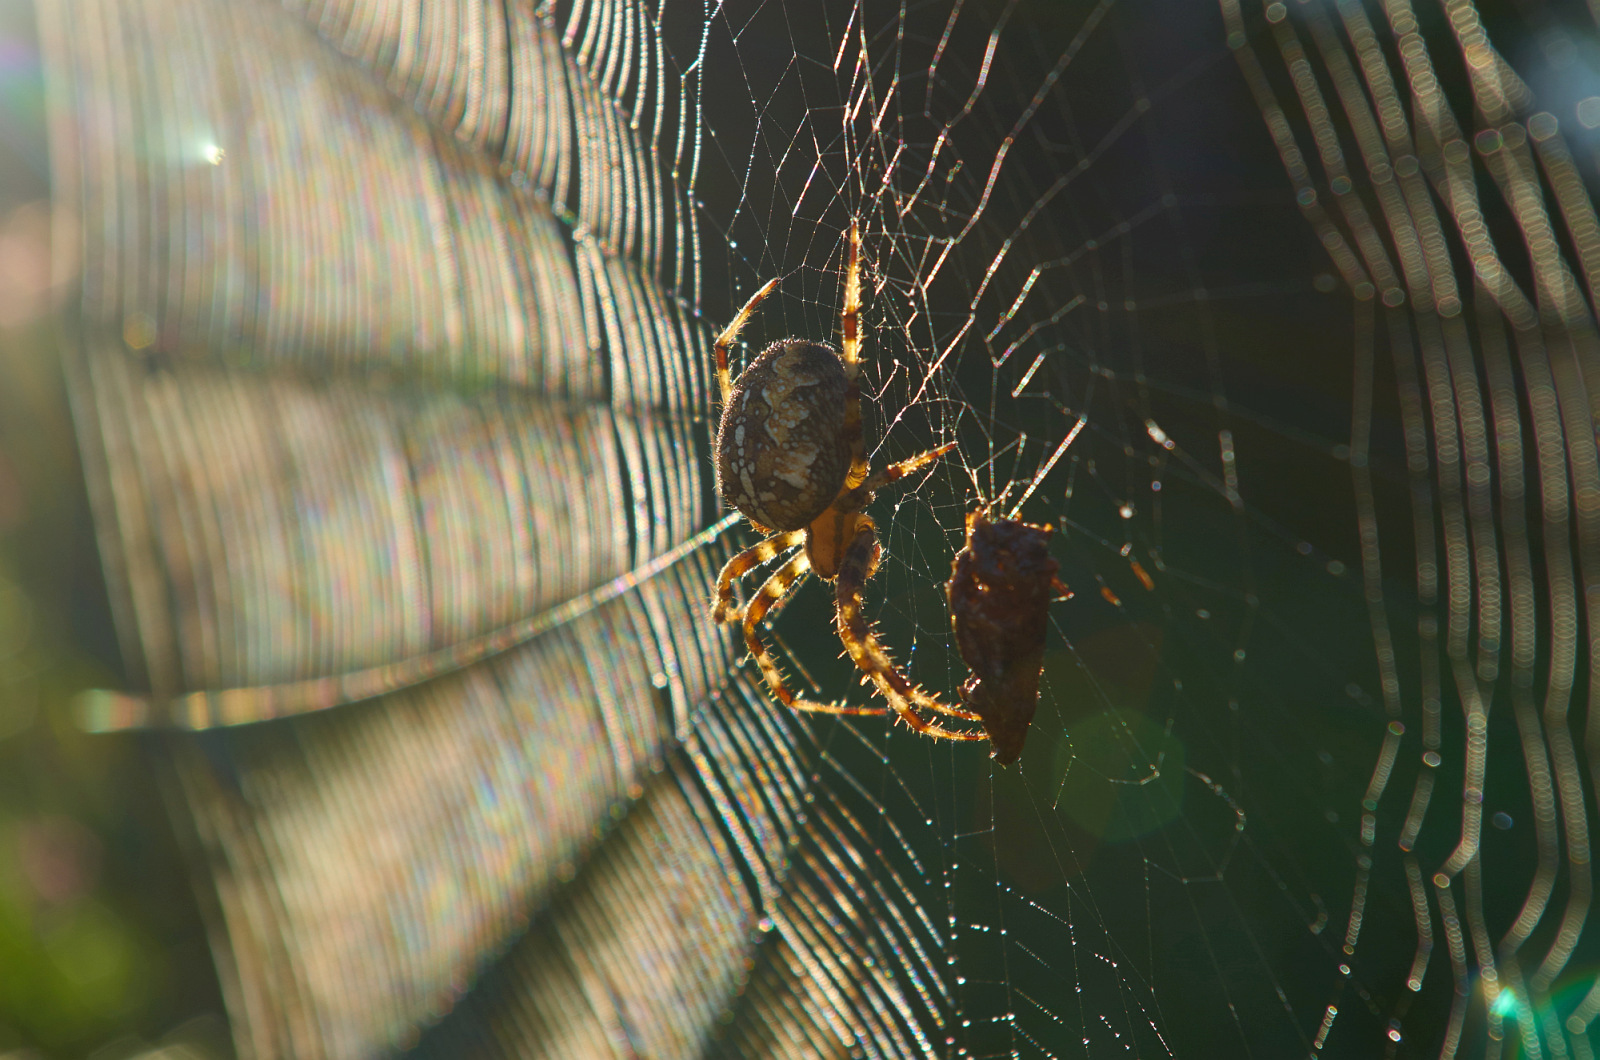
(869, 655)
(901, 468)
(730, 334)
(865, 569)
(771, 595)
(862, 572)
(726, 610)
(850, 357)
(850, 318)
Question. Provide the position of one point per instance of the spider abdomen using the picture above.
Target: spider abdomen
(782, 454)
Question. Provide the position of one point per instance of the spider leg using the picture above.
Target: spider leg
(850, 357)
(731, 333)
(861, 495)
(869, 655)
(726, 608)
(899, 470)
(769, 596)
(850, 317)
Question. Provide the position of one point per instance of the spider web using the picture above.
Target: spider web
(395, 403)
(1245, 305)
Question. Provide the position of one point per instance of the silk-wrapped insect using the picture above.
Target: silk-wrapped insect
(1001, 585)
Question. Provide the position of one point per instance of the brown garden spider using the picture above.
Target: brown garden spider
(789, 458)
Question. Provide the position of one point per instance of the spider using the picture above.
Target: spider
(789, 458)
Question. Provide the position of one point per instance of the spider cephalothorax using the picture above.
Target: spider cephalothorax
(790, 459)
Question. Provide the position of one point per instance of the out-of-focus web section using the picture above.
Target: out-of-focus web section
(439, 511)
(1487, 369)
(380, 390)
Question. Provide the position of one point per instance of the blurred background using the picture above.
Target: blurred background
(357, 691)
(101, 949)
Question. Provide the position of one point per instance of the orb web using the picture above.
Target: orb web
(1282, 316)
(1241, 300)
